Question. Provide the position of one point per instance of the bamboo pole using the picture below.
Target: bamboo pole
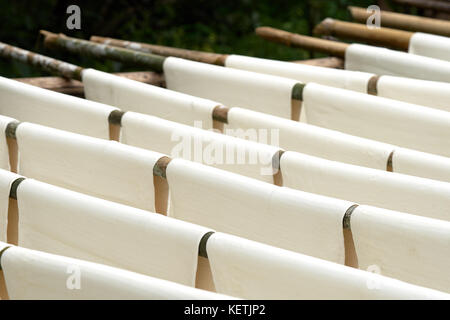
(48, 64)
(439, 6)
(199, 56)
(392, 38)
(69, 75)
(98, 50)
(79, 46)
(299, 41)
(404, 21)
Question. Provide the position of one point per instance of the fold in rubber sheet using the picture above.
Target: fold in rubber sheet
(403, 246)
(131, 95)
(384, 61)
(394, 191)
(60, 221)
(430, 45)
(25, 102)
(235, 204)
(33, 275)
(100, 168)
(297, 136)
(390, 121)
(252, 270)
(427, 93)
(248, 158)
(231, 87)
(334, 145)
(344, 79)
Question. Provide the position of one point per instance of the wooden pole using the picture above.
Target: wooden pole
(199, 56)
(48, 64)
(392, 38)
(404, 21)
(439, 6)
(82, 47)
(299, 41)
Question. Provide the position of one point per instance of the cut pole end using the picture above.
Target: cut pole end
(324, 28)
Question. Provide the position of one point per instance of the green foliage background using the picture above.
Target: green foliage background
(225, 26)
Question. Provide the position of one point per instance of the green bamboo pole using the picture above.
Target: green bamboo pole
(63, 69)
(199, 56)
(81, 47)
(53, 66)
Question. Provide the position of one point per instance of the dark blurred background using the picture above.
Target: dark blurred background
(225, 26)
